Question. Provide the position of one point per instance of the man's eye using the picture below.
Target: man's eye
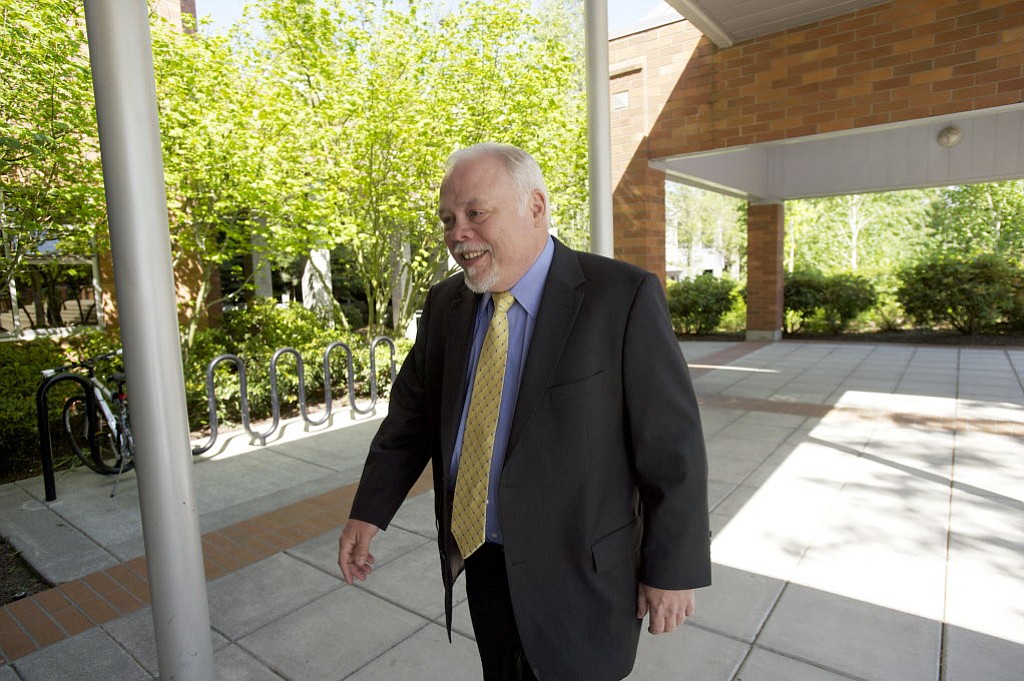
(476, 215)
(447, 223)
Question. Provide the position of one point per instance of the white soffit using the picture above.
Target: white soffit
(727, 22)
(879, 158)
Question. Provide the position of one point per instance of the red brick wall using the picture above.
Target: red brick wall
(893, 62)
(765, 279)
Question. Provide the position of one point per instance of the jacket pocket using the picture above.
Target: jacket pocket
(615, 547)
(566, 391)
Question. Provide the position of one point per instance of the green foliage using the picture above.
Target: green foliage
(976, 219)
(50, 184)
(810, 296)
(255, 334)
(846, 296)
(972, 294)
(704, 219)
(698, 305)
(735, 320)
(803, 296)
(867, 234)
(23, 364)
(887, 314)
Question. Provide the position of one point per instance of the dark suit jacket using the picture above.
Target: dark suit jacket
(605, 476)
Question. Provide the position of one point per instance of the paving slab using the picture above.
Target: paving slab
(969, 655)
(852, 637)
(417, 515)
(247, 599)
(90, 656)
(986, 562)
(414, 583)
(764, 665)
(687, 653)
(332, 637)
(322, 552)
(56, 549)
(8, 674)
(425, 656)
(234, 664)
(737, 603)
(135, 634)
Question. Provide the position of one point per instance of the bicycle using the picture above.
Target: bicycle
(114, 450)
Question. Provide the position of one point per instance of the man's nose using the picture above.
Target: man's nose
(461, 229)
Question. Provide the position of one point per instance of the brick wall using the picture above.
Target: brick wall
(765, 279)
(893, 62)
(677, 93)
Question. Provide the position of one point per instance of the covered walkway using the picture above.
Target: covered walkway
(867, 506)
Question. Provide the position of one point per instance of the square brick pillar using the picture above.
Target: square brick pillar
(766, 228)
(638, 205)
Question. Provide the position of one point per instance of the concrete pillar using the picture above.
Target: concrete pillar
(766, 228)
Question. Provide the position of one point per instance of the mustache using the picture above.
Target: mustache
(464, 247)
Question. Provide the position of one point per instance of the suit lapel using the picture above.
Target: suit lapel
(560, 303)
(457, 340)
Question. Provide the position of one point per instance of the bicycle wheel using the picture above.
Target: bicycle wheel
(107, 457)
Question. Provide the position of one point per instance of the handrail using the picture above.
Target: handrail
(300, 374)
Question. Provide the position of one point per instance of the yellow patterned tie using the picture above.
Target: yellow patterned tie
(469, 511)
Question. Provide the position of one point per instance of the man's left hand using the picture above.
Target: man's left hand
(668, 609)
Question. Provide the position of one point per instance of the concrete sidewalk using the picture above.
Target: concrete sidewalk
(867, 507)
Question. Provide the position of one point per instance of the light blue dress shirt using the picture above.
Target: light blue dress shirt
(522, 317)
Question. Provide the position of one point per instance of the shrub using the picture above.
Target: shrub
(803, 296)
(253, 334)
(845, 296)
(970, 294)
(23, 363)
(812, 299)
(697, 306)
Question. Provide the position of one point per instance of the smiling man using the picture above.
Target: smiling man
(548, 392)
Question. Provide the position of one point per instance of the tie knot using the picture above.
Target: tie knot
(502, 301)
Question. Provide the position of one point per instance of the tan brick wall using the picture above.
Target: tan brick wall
(765, 278)
(893, 62)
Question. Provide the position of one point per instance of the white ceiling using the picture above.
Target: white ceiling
(726, 22)
(878, 158)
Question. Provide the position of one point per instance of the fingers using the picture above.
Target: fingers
(354, 557)
(641, 603)
(668, 609)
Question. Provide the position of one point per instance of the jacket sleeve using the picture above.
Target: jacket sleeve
(667, 447)
(401, 448)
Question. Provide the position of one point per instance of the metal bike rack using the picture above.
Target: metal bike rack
(43, 419)
(275, 403)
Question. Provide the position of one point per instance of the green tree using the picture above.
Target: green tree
(221, 168)
(384, 96)
(979, 218)
(860, 233)
(50, 180)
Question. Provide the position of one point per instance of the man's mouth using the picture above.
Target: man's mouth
(471, 254)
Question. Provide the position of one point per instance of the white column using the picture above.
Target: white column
(122, 62)
(599, 139)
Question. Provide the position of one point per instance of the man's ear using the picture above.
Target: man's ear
(539, 208)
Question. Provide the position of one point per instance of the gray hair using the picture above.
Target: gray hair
(523, 168)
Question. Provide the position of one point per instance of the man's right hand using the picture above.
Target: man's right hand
(354, 557)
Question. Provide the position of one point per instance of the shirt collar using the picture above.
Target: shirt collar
(529, 288)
